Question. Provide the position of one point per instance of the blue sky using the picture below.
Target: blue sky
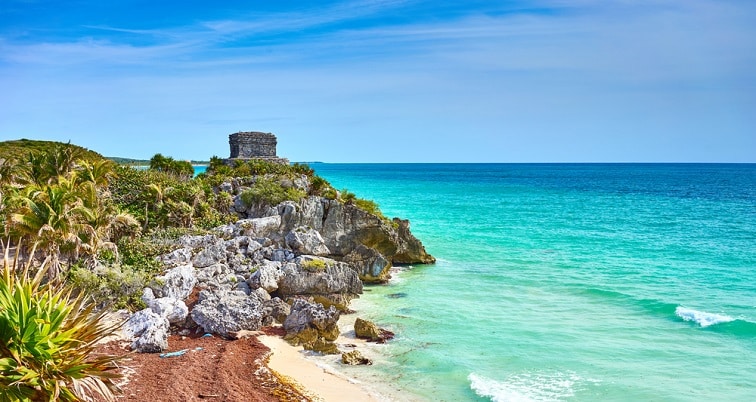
(387, 81)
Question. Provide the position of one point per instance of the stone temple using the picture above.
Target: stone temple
(247, 145)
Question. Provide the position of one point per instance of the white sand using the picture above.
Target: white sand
(320, 384)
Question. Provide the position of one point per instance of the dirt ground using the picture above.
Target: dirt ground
(212, 369)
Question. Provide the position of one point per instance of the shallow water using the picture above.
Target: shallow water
(566, 282)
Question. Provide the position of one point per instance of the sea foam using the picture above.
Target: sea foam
(703, 318)
(525, 387)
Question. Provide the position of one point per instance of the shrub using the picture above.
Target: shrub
(314, 265)
(113, 286)
(47, 337)
(269, 192)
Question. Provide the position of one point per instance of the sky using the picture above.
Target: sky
(386, 81)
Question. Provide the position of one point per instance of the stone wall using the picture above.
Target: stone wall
(252, 145)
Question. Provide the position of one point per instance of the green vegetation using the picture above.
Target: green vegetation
(314, 265)
(47, 337)
(266, 191)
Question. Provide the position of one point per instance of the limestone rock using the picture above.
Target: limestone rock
(266, 276)
(275, 310)
(367, 330)
(306, 277)
(354, 358)
(148, 331)
(312, 326)
(181, 256)
(229, 313)
(304, 240)
(371, 266)
(174, 310)
(176, 283)
(211, 254)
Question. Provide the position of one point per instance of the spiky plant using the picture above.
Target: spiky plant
(47, 339)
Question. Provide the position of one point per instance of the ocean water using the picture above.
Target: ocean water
(584, 282)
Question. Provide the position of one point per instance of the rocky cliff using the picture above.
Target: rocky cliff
(298, 263)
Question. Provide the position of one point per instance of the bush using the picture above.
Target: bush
(47, 339)
(269, 192)
(113, 286)
(314, 265)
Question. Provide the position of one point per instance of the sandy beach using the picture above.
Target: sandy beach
(316, 382)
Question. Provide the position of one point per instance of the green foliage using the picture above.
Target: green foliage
(19, 149)
(140, 253)
(314, 265)
(114, 286)
(47, 339)
(181, 169)
(266, 191)
(301, 168)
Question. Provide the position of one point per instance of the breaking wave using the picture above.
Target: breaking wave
(702, 318)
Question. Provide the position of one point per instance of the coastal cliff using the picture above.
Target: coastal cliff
(296, 262)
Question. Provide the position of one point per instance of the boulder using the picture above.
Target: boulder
(275, 310)
(371, 266)
(258, 227)
(354, 358)
(181, 256)
(312, 326)
(174, 310)
(318, 276)
(230, 312)
(304, 240)
(148, 331)
(367, 330)
(211, 254)
(176, 283)
(266, 276)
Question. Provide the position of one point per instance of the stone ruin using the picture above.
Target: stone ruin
(249, 145)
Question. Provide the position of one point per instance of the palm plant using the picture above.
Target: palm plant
(50, 215)
(47, 339)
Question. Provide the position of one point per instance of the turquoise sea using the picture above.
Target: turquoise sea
(585, 282)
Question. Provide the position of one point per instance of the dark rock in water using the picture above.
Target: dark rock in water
(355, 358)
(396, 295)
(367, 330)
(312, 326)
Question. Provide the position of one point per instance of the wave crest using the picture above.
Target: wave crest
(525, 387)
(702, 318)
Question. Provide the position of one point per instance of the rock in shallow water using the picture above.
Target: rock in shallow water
(365, 329)
(355, 358)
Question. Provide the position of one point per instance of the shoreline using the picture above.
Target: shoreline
(313, 380)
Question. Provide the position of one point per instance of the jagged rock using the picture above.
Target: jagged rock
(301, 279)
(174, 310)
(344, 227)
(228, 313)
(304, 240)
(259, 227)
(148, 331)
(181, 256)
(354, 358)
(226, 187)
(207, 274)
(371, 266)
(266, 276)
(275, 309)
(312, 326)
(367, 330)
(147, 295)
(176, 283)
(211, 254)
